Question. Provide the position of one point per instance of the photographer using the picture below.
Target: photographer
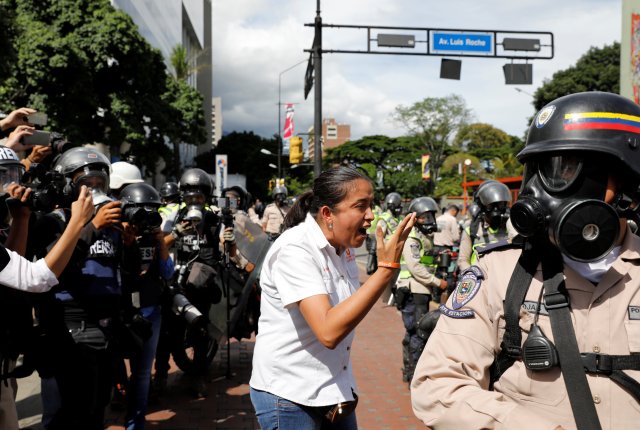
(83, 313)
(236, 219)
(144, 286)
(20, 274)
(195, 235)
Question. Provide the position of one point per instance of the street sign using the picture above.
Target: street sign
(460, 43)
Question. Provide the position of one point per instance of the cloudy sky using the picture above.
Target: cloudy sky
(254, 41)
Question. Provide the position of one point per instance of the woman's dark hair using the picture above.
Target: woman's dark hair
(329, 189)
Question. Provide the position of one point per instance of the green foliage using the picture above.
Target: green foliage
(433, 122)
(597, 70)
(398, 160)
(85, 64)
(179, 62)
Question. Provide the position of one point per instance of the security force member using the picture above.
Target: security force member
(274, 213)
(490, 225)
(417, 279)
(391, 217)
(505, 357)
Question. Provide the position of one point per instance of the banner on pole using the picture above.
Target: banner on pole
(288, 128)
(426, 172)
(221, 171)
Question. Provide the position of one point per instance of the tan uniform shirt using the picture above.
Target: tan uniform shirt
(273, 217)
(466, 247)
(449, 389)
(422, 277)
(449, 234)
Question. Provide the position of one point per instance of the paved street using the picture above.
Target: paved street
(384, 398)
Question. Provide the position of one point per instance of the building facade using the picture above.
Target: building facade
(166, 24)
(333, 134)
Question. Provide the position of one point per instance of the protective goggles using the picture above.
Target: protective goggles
(9, 175)
(559, 172)
(426, 218)
(93, 179)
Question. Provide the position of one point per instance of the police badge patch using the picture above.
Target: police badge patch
(468, 286)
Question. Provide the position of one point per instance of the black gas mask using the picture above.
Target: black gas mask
(562, 199)
(426, 223)
(280, 199)
(496, 215)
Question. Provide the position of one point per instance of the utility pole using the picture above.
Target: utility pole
(317, 111)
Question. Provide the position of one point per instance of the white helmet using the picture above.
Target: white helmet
(123, 173)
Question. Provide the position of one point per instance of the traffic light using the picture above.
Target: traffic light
(295, 150)
(271, 183)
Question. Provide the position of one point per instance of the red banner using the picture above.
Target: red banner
(288, 122)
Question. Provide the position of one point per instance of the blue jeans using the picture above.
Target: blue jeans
(140, 380)
(275, 413)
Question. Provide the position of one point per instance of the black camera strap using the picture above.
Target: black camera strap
(557, 304)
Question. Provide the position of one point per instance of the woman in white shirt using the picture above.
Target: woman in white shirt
(311, 302)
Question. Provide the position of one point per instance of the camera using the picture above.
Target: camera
(227, 203)
(144, 219)
(37, 118)
(59, 143)
(181, 306)
(39, 137)
(55, 140)
(47, 188)
(227, 206)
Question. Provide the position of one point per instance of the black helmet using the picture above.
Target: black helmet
(474, 210)
(140, 194)
(421, 205)
(170, 191)
(196, 181)
(393, 203)
(492, 192)
(594, 121)
(11, 170)
(425, 209)
(140, 203)
(243, 196)
(85, 166)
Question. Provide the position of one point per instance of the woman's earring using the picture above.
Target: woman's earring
(330, 226)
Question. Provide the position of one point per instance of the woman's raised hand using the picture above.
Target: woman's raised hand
(391, 250)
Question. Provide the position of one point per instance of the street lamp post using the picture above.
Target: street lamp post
(465, 195)
(279, 114)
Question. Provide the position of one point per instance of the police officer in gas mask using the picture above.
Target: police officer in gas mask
(490, 223)
(543, 332)
(417, 283)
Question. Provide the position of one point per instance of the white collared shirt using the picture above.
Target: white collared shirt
(288, 360)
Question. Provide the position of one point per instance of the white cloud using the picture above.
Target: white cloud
(256, 40)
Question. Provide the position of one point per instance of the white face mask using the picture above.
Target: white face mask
(594, 271)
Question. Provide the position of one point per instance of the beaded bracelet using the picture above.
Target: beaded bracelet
(389, 265)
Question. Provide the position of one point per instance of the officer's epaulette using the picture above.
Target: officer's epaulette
(515, 242)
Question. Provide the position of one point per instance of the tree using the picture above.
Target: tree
(85, 64)
(433, 122)
(395, 160)
(597, 70)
